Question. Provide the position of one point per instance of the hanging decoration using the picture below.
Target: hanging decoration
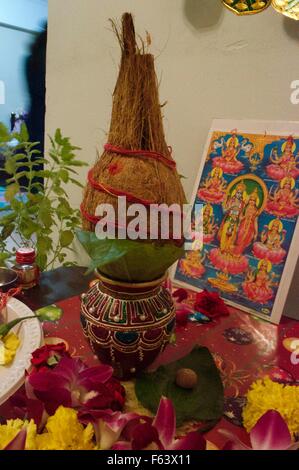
(247, 7)
(288, 8)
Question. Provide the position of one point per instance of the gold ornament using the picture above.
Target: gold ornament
(288, 8)
(246, 7)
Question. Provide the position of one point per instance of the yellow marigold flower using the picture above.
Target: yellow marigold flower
(265, 395)
(9, 431)
(8, 348)
(65, 432)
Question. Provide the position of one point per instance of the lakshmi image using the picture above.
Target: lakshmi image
(270, 246)
(286, 164)
(257, 286)
(248, 227)
(209, 226)
(284, 201)
(228, 160)
(224, 257)
(239, 227)
(213, 188)
(192, 264)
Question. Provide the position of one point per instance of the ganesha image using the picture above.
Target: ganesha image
(284, 200)
(286, 164)
(270, 244)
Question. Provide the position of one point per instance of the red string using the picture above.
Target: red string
(141, 153)
(5, 296)
(93, 219)
(116, 192)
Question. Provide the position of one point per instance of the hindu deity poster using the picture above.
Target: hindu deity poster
(248, 185)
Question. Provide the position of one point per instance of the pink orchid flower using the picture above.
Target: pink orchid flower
(108, 425)
(18, 442)
(71, 384)
(160, 433)
(270, 433)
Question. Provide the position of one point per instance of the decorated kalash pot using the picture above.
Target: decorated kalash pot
(127, 325)
(128, 316)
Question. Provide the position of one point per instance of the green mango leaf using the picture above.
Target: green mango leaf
(50, 313)
(203, 403)
(129, 260)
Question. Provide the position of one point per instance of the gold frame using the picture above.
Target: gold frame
(249, 12)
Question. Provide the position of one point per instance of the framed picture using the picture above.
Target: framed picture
(248, 184)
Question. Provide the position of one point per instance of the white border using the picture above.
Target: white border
(280, 128)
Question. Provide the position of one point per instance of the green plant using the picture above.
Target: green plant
(36, 212)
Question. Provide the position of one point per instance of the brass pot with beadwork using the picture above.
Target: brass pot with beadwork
(127, 324)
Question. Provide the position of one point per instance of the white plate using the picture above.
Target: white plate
(30, 334)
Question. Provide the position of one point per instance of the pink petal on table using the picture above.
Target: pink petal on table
(234, 442)
(180, 295)
(95, 375)
(192, 441)
(122, 445)
(46, 380)
(19, 442)
(270, 433)
(165, 422)
(108, 425)
(145, 436)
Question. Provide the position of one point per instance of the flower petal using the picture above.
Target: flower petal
(234, 442)
(108, 425)
(270, 433)
(19, 442)
(122, 445)
(146, 437)
(192, 441)
(95, 375)
(165, 422)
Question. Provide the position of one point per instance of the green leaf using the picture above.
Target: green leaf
(66, 238)
(6, 231)
(23, 136)
(129, 260)
(58, 137)
(63, 174)
(10, 166)
(5, 329)
(44, 244)
(11, 191)
(50, 313)
(203, 403)
(4, 133)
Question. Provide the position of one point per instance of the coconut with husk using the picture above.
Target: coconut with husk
(137, 164)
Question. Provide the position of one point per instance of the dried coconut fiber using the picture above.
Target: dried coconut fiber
(136, 162)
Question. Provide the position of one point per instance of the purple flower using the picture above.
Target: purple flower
(71, 384)
(160, 433)
(270, 433)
